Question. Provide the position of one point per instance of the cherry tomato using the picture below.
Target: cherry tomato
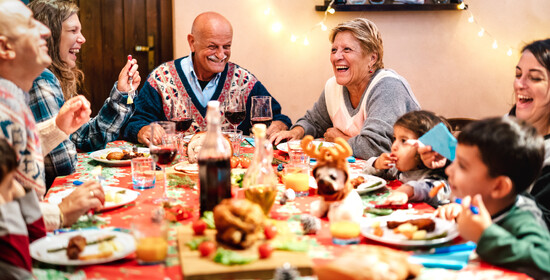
(199, 226)
(265, 250)
(206, 248)
(234, 162)
(245, 162)
(270, 231)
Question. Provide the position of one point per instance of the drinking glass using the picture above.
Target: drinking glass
(163, 149)
(260, 111)
(180, 114)
(234, 108)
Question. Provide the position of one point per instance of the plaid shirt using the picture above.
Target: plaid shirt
(46, 98)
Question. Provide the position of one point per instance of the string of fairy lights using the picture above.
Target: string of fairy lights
(277, 26)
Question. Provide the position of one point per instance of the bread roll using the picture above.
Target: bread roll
(195, 144)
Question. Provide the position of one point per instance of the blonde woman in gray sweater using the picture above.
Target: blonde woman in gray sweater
(363, 100)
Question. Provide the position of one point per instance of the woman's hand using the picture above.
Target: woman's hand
(471, 226)
(332, 133)
(385, 161)
(287, 135)
(448, 211)
(88, 196)
(430, 158)
(73, 114)
(129, 70)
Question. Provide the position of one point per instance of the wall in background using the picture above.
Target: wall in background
(452, 70)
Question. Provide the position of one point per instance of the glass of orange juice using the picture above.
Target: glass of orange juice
(151, 240)
(296, 177)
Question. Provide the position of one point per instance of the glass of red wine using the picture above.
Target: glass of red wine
(234, 108)
(180, 114)
(163, 149)
(260, 111)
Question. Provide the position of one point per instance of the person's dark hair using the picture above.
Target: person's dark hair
(53, 13)
(8, 160)
(421, 121)
(541, 50)
(508, 147)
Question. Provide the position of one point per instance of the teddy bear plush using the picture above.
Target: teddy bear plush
(339, 200)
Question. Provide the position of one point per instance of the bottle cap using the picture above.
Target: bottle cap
(259, 130)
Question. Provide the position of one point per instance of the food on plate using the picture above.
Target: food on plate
(123, 155)
(195, 144)
(423, 223)
(99, 255)
(239, 222)
(115, 196)
(355, 182)
(369, 262)
(75, 247)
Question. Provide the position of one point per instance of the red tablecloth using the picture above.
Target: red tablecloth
(122, 217)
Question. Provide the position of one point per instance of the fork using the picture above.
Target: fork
(132, 92)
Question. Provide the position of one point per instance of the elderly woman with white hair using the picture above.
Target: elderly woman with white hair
(363, 100)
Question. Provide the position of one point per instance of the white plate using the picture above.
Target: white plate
(284, 147)
(39, 248)
(369, 181)
(127, 197)
(101, 155)
(398, 239)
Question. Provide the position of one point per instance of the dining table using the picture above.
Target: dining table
(187, 199)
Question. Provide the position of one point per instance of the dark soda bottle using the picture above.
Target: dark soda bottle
(214, 163)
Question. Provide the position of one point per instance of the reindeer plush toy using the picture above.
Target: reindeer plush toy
(339, 200)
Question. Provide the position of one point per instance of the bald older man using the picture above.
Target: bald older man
(206, 74)
(23, 56)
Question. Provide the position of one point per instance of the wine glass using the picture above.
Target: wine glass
(234, 108)
(260, 111)
(180, 114)
(162, 148)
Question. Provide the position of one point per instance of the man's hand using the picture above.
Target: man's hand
(276, 126)
(74, 113)
(287, 135)
(144, 135)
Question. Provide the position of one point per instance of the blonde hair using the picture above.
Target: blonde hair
(53, 13)
(366, 32)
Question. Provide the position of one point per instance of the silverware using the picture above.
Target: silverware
(132, 92)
